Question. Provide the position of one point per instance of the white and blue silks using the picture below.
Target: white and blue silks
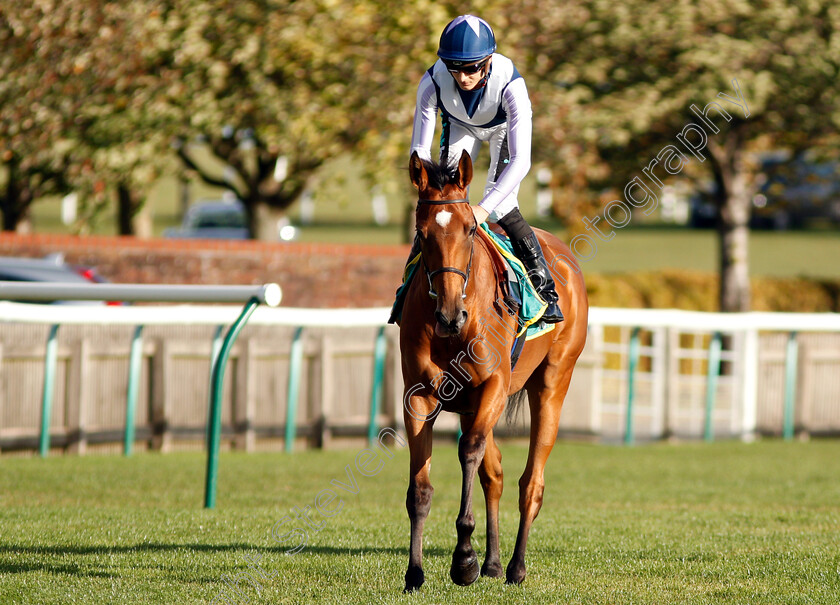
(501, 116)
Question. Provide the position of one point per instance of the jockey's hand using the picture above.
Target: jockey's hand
(480, 214)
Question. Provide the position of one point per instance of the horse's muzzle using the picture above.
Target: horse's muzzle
(450, 327)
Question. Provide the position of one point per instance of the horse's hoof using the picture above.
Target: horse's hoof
(414, 579)
(492, 570)
(515, 574)
(464, 571)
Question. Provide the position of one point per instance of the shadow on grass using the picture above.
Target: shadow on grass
(64, 569)
(402, 551)
(159, 547)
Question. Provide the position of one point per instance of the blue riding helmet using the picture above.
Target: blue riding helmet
(465, 40)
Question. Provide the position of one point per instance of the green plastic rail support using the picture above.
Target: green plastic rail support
(632, 362)
(295, 364)
(791, 365)
(50, 361)
(215, 349)
(135, 366)
(713, 371)
(378, 379)
(217, 374)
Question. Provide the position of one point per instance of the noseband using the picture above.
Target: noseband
(430, 275)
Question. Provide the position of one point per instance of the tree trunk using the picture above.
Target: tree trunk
(133, 216)
(734, 292)
(734, 198)
(12, 217)
(14, 203)
(265, 224)
(252, 216)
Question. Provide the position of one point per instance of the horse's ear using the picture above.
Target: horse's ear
(465, 169)
(417, 171)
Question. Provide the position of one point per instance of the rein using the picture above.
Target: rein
(465, 275)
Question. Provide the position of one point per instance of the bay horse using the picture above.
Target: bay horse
(455, 343)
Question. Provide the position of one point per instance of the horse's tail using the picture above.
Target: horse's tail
(514, 404)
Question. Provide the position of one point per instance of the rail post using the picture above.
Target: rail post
(293, 391)
(50, 362)
(135, 366)
(216, 389)
(712, 372)
(378, 378)
(791, 365)
(632, 362)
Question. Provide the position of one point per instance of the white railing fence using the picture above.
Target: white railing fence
(322, 375)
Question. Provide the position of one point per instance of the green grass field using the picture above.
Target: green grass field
(660, 524)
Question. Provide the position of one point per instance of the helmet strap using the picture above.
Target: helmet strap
(483, 81)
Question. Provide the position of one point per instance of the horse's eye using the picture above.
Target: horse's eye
(472, 229)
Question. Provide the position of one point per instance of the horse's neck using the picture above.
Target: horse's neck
(483, 294)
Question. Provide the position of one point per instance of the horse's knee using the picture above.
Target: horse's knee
(492, 478)
(418, 498)
(531, 491)
(471, 448)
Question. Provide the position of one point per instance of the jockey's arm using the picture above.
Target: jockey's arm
(425, 115)
(518, 107)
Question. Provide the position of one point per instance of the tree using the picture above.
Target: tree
(629, 79)
(274, 89)
(34, 157)
(78, 109)
(100, 91)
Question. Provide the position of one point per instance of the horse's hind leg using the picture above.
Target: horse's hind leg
(490, 474)
(545, 405)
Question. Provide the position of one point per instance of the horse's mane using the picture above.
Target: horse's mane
(441, 175)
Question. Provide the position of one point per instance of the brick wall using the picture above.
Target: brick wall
(311, 275)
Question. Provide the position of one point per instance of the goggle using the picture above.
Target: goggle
(455, 67)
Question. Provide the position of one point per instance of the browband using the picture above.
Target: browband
(461, 200)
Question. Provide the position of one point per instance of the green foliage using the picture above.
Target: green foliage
(698, 292)
(613, 84)
(93, 93)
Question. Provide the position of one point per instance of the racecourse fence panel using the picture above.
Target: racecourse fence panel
(336, 380)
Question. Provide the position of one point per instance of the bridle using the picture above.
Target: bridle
(430, 275)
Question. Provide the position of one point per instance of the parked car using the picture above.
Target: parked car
(213, 219)
(51, 268)
(793, 192)
(790, 193)
(702, 212)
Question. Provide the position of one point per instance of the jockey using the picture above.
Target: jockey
(482, 97)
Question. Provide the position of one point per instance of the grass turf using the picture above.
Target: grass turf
(688, 523)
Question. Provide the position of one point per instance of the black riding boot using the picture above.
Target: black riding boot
(529, 251)
(402, 291)
(527, 248)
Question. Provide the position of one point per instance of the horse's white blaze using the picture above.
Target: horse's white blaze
(443, 217)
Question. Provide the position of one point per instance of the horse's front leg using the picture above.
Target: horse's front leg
(471, 448)
(419, 420)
